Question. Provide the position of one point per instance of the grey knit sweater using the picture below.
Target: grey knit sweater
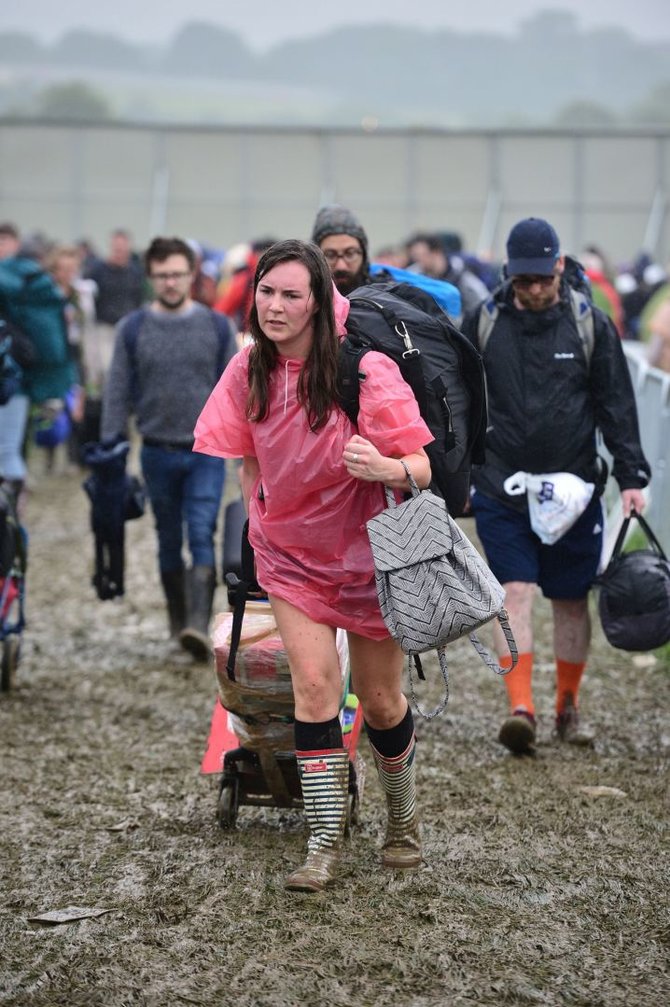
(177, 363)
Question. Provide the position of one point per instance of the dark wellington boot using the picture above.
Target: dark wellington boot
(569, 728)
(200, 585)
(175, 595)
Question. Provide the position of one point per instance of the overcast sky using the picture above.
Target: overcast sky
(264, 22)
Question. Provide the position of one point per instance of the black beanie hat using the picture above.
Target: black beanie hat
(336, 219)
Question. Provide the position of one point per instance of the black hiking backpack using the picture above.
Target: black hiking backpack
(438, 362)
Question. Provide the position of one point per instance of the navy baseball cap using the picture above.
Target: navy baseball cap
(532, 248)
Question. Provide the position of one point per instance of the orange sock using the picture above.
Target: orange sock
(568, 677)
(518, 682)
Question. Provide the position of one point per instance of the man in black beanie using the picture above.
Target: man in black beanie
(339, 235)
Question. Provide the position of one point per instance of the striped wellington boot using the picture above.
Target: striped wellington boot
(324, 778)
(397, 775)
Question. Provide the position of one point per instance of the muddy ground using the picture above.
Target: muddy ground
(533, 890)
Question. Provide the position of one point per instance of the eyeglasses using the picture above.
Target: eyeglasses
(349, 255)
(530, 281)
(166, 277)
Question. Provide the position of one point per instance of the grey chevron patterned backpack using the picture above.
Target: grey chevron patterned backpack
(432, 584)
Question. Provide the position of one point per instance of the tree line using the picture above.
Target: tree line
(549, 72)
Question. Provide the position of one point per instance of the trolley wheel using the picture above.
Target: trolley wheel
(11, 646)
(228, 803)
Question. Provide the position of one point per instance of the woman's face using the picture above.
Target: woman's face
(286, 308)
(64, 271)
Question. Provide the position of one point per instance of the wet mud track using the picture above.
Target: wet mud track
(536, 888)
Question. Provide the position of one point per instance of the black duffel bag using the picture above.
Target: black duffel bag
(634, 601)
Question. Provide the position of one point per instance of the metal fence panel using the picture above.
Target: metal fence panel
(36, 178)
(535, 172)
(652, 393)
(231, 184)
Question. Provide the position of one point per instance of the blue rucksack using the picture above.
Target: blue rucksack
(446, 294)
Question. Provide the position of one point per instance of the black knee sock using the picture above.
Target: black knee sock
(317, 737)
(395, 740)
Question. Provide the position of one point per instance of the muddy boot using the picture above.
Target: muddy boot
(175, 595)
(200, 584)
(402, 846)
(324, 778)
(568, 727)
(518, 733)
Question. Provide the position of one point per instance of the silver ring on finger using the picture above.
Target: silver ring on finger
(355, 459)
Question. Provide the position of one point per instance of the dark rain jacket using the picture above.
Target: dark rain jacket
(546, 400)
(32, 301)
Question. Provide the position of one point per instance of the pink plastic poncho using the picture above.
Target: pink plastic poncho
(308, 529)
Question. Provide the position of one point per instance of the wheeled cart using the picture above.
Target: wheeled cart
(251, 738)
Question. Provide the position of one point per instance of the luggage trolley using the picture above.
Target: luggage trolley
(13, 563)
(251, 738)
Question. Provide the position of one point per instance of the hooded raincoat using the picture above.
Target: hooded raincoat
(307, 515)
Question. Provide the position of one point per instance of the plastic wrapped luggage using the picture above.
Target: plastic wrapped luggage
(251, 739)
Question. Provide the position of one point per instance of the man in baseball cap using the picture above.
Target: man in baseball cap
(546, 392)
(532, 248)
(534, 264)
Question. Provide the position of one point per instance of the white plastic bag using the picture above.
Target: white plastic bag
(555, 501)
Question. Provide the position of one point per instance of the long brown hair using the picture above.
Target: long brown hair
(317, 383)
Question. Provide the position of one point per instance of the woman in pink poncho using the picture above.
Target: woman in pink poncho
(311, 480)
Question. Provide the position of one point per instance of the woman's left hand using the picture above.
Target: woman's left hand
(363, 460)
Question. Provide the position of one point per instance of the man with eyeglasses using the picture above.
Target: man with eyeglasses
(341, 238)
(553, 377)
(167, 359)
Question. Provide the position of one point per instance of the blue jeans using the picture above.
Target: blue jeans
(13, 419)
(184, 488)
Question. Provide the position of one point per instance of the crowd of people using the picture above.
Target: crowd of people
(236, 356)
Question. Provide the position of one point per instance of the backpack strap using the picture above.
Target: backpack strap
(488, 316)
(130, 332)
(582, 309)
(348, 377)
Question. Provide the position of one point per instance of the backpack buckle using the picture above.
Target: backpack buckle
(410, 350)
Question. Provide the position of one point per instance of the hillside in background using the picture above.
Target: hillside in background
(551, 72)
